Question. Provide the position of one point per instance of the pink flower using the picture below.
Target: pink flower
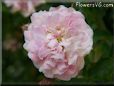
(57, 41)
(26, 7)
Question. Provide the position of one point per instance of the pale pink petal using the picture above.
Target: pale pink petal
(26, 7)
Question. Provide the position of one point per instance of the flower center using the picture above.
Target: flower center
(59, 39)
(55, 37)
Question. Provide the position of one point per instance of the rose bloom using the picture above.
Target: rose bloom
(57, 41)
(26, 7)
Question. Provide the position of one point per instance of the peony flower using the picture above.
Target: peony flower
(57, 41)
(26, 7)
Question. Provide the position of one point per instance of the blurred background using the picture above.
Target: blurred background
(18, 68)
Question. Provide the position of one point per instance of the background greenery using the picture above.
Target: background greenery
(18, 68)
